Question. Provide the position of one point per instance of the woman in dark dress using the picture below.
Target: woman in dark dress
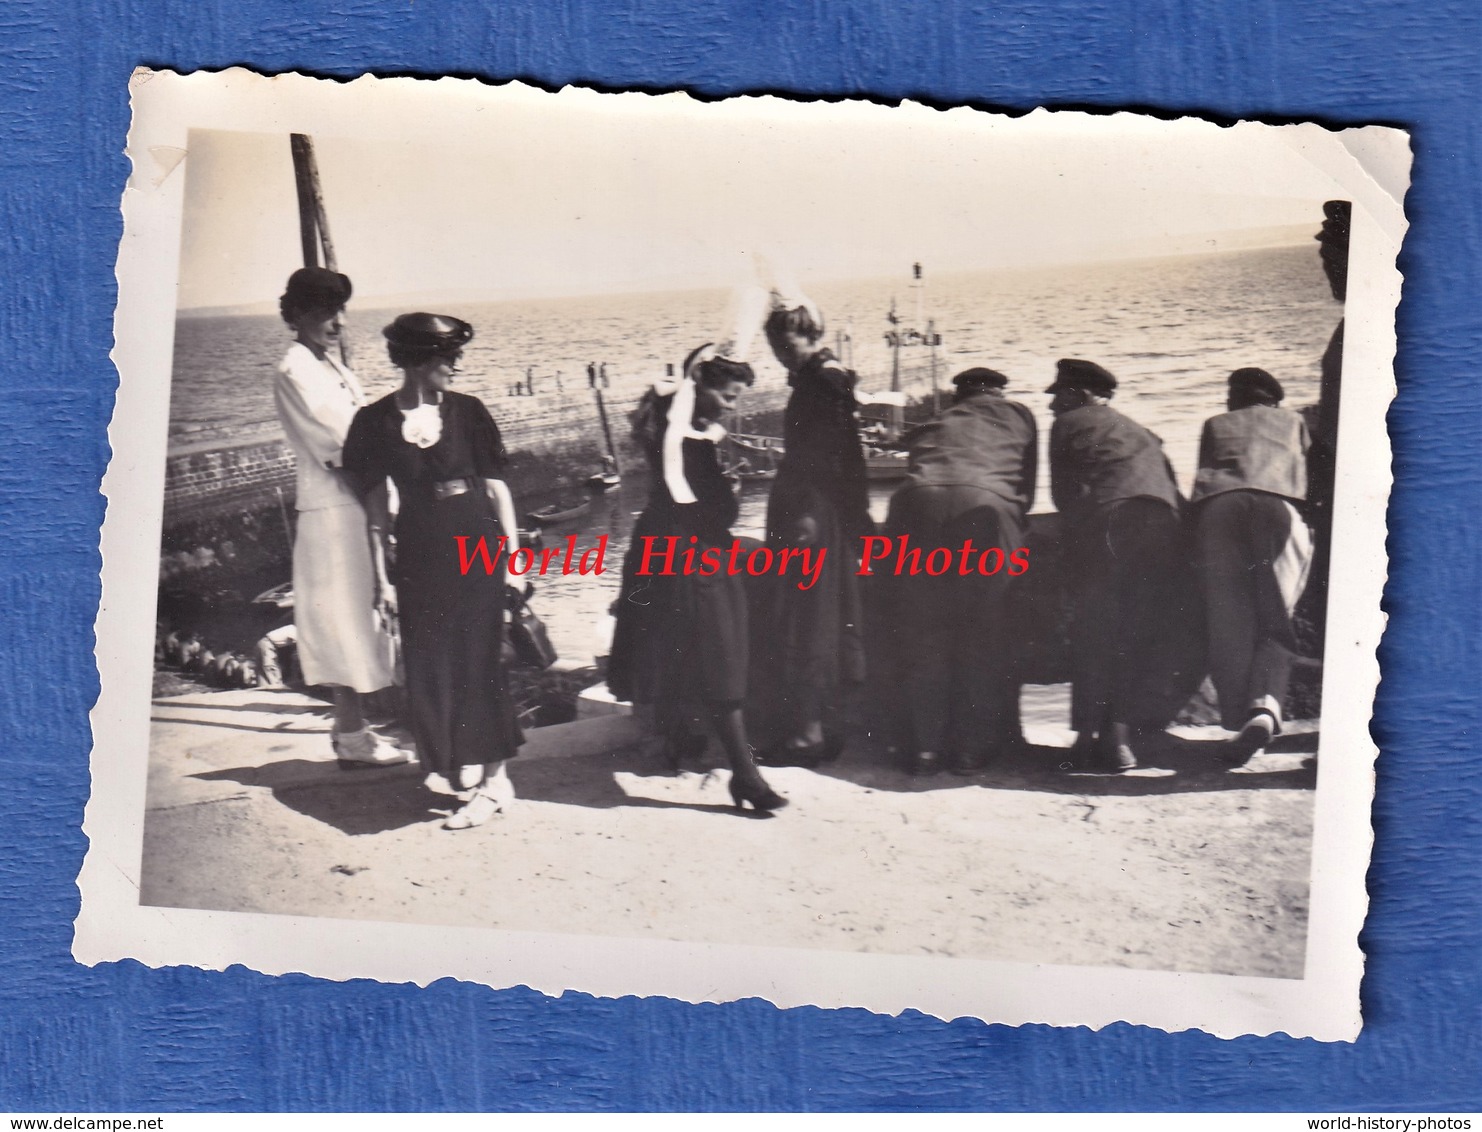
(442, 451)
(810, 644)
(681, 639)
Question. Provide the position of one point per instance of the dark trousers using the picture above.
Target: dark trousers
(1253, 556)
(950, 629)
(1124, 560)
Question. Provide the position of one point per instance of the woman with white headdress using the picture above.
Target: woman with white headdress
(810, 643)
(681, 639)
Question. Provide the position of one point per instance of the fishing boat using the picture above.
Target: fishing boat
(554, 513)
(753, 445)
(884, 465)
(742, 471)
(607, 479)
(748, 474)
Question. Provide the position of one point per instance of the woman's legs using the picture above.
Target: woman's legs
(747, 783)
(355, 744)
(348, 714)
(492, 794)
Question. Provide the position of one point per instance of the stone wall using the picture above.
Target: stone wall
(203, 481)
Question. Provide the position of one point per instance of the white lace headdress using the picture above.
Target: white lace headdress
(741, 323)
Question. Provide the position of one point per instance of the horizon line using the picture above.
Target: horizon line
(389, 301)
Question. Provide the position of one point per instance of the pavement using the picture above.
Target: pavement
(1183, 865)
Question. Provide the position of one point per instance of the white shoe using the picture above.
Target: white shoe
(476, 811)
(363, 749)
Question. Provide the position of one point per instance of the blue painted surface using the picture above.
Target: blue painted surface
(122, 1037)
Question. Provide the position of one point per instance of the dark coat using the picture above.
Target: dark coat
(823, 468)
(984, 441)
(1099, 457)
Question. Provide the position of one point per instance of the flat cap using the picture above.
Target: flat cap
(1256, 385)
(978, 375)
(1073, 373)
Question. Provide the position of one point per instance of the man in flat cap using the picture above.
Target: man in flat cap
(1115, 490)
(971, 481)
(1253, 553)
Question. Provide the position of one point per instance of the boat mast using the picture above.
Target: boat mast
(313, 219)
(931, 340)
(606, 429)
(896, 416)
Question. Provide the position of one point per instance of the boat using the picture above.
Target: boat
(606, 479)
(601, 482)
(742, 471)
(754, 444)
(610, 476)
(883, 465)
(554, 513)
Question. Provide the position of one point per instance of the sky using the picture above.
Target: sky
(546, 197)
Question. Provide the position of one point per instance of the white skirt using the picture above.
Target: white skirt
(340, 638)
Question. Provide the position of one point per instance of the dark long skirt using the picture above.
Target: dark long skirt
(452, 634)
(951, 631)
(807, 646)
(679, 639)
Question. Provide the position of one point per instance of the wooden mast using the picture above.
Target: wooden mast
(606, 429)
(896, 415)
(313, 219)
(308, 218)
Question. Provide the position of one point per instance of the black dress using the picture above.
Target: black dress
(681, 639)
(810, 642)
(452, 624)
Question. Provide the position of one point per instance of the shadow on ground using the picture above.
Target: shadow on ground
(356, 802)
(377, 800)
(1167, 765)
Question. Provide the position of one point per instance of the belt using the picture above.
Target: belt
(446, 489)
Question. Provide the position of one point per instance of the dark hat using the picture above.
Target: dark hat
(979, 376)
(311, 288)
(1072, 373)
(1256, 385)
(432, 333)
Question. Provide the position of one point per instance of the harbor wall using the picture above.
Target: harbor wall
(206, 480)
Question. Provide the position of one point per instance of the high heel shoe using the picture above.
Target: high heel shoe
(763, 799)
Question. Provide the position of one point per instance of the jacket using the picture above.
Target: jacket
(985, 441)
(1099, 457)
(1258, 448)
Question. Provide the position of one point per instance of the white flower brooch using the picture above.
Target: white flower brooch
(422, 426)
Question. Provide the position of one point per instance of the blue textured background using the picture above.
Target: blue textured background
(125, 1038)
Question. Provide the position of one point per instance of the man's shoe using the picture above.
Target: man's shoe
(966, 766)
(923, 763)
(364, 749)
(1258, 731)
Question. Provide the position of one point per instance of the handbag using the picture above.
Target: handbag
(526, 632)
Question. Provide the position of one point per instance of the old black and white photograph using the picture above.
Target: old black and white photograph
(835, 553)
